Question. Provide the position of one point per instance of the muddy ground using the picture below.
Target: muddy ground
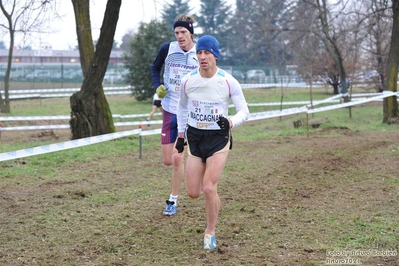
(285, 201)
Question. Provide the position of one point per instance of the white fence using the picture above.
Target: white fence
(67, 92)
(361, 98)
(59, 92)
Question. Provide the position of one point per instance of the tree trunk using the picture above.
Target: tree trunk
(90, 112)
(390, 105)
(334, 82)
(83, 31)
(332, 48)
(5, 104)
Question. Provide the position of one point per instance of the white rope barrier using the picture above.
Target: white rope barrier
(12, 155)
(102, 138)
(65, 145)
(42, 127)
(64, 117)
(253, 116)
(34, 118)
(67, 92)
(385, 94)
(60, 93)
(61, 90)
(278, 113)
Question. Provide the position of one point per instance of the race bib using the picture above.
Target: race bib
(204, 115)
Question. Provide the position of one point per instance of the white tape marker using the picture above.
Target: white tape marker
(65, 145)
(352, 103)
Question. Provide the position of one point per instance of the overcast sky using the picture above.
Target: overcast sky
(131, 14)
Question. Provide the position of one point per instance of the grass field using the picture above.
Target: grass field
(287, 198)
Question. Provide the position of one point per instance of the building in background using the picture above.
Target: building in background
(55, 65)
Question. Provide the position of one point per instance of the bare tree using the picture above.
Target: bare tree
(329, 36)
(353, 31)
(379, 27)
(308, 51)
(21, 17)
(314, 63)
(90, 112)
(324, 40)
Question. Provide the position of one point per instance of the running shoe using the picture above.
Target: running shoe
(209, 241)
(170, 209)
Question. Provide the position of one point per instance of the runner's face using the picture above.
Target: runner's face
(183, 36)
(206, 59)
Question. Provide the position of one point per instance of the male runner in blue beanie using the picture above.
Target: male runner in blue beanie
(204, 102)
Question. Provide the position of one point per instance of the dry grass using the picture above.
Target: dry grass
(285, 201)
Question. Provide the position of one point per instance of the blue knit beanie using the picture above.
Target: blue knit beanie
(208, 43)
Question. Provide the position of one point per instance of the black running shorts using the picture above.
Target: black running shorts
(205, 143)
(157, 103)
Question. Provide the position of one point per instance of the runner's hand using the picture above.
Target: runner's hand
(161, 91)
(223, 123)
(180, 145)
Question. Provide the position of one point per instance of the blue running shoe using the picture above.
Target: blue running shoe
(209, 241)
(170, 209)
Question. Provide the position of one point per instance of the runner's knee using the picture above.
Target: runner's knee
(193, 193)
(209, 191)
